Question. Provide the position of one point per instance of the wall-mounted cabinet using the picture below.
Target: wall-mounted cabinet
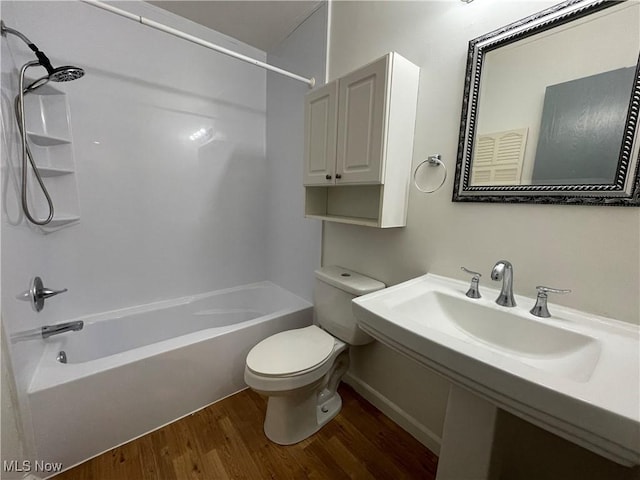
(359, 143)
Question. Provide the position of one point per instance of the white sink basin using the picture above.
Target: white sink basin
(540, 345)
(574, 374)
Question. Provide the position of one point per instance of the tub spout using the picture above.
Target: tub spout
(49, 330)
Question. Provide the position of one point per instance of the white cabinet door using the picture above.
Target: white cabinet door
(359, 144)
(361, 112)
(320, 135)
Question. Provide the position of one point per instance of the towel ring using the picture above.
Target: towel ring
(422, 184)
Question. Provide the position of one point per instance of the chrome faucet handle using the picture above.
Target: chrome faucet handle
(474, 291)
(37, 294)
(540, 308)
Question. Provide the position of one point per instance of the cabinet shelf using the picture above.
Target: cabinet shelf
(47, 140)
(366, 222)
(354, 204)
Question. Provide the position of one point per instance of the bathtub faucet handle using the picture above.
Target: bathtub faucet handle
(37, 294)
(46, 293)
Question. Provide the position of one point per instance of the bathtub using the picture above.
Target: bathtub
(131, 371)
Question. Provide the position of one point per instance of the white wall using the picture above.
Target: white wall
(595, 251)
(592, 250)
(11, 440)
(294, 242)
(27, 253)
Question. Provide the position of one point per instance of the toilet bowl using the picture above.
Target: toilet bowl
(302, 396)
(299, 370)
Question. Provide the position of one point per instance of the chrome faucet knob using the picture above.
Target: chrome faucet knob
(38, 293)
(540, 309)
(474, 291)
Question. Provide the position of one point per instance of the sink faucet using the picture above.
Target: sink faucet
(503, 270)
(49, 330)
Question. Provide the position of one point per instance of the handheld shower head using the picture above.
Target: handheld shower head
(60, 74)
(66, 74)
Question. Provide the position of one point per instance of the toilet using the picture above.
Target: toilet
(299, 370)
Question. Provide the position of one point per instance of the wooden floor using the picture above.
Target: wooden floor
(226, 441)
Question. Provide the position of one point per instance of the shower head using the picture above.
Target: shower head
(66, 74)
(60, 74)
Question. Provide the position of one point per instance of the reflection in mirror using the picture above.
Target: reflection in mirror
(549, 113)
(582, 125)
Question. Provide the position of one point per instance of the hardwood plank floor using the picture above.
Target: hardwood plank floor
(226, 441)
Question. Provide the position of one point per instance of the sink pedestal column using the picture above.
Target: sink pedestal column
(467, 438)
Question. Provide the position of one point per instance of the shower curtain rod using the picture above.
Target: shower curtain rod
(172, 31)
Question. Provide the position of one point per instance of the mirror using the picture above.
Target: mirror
(550, 109)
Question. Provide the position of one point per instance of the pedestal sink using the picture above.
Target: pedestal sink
(538, 344)
(574, 374)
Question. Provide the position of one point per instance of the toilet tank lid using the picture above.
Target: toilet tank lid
(352, 282)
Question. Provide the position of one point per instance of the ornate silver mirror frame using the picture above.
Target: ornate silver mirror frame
(623, 190)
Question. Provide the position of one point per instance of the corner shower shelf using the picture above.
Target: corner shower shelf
(61, 221)
(49, 134)
(54, 171)
(47, 140)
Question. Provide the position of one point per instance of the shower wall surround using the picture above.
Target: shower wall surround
(160, 213)
(174, 183)
(292, 258)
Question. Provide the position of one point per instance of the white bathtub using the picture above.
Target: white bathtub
(132, 371)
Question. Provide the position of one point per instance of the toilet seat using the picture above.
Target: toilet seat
(290, 353)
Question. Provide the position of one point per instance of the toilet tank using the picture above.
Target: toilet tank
(334, 289)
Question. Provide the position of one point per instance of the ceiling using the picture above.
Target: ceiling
(262, 24)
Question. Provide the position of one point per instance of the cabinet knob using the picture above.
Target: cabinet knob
(328, 177)
(338, 176)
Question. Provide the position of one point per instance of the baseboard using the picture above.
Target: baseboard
(416, 429)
